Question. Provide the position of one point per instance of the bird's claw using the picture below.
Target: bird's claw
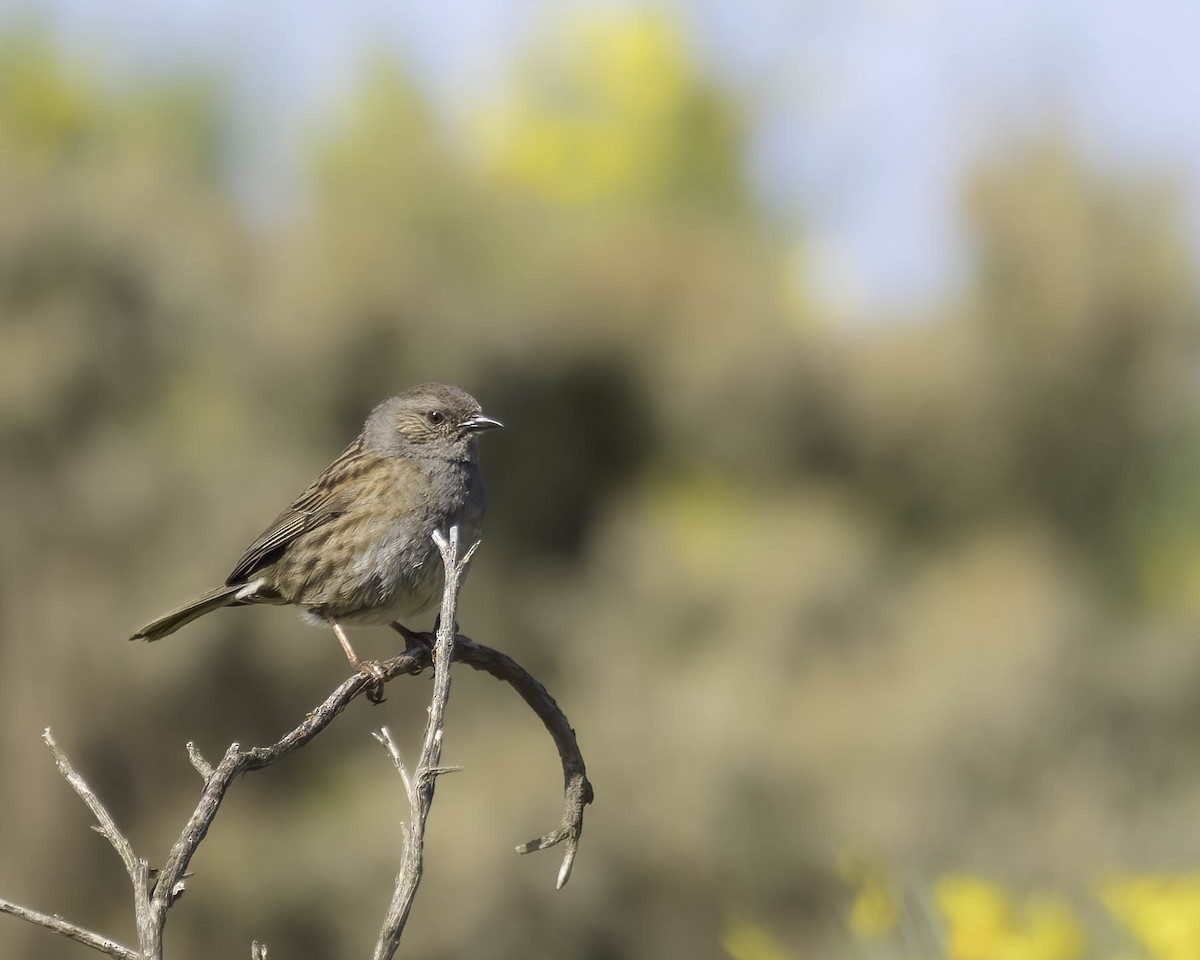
(376, 679)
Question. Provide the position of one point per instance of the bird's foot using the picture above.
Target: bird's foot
(371, 669)
(376, 679)
(415, 639)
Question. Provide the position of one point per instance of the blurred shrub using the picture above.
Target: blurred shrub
(921, 588)
(612, 109)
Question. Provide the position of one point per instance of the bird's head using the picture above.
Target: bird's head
(433, 420)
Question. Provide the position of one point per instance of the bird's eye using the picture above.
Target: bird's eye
(435, 417)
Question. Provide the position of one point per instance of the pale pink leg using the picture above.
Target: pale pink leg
(369, 668)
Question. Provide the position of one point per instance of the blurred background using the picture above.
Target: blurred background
(849, 501)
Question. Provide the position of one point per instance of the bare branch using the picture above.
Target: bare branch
(421, 785)
(106, 826)
(236, 761)
(138, 870)
(70, 931)
(203, 767)
(384, 736)
(152, 904)
(577, 790)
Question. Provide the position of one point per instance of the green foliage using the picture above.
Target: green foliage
(612, 109)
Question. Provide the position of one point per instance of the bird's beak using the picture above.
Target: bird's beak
(480, 422)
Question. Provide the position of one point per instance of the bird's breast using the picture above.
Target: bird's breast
(378, 560)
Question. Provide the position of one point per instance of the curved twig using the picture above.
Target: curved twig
(577, 790)
(153, 901)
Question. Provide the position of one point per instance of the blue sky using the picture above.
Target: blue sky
(868, 111)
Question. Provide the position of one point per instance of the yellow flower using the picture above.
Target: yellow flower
(984, 922)
(745, 940)
(876, 907)
(1162, 912)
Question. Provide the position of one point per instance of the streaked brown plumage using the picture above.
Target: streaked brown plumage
(357, 545)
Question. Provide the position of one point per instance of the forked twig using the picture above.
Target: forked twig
(152, 901)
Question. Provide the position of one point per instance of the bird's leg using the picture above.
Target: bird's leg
(415, 638)
(368, 668)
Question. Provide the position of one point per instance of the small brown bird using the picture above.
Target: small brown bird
(356, 546)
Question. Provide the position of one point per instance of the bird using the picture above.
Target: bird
(357, 545)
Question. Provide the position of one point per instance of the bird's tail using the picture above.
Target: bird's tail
(167, 624)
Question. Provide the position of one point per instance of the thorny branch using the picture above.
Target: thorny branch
(152, 900)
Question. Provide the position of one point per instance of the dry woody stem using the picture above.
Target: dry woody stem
(154, 895)
(421, 784)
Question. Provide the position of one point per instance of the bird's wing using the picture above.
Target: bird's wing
(325, 499)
